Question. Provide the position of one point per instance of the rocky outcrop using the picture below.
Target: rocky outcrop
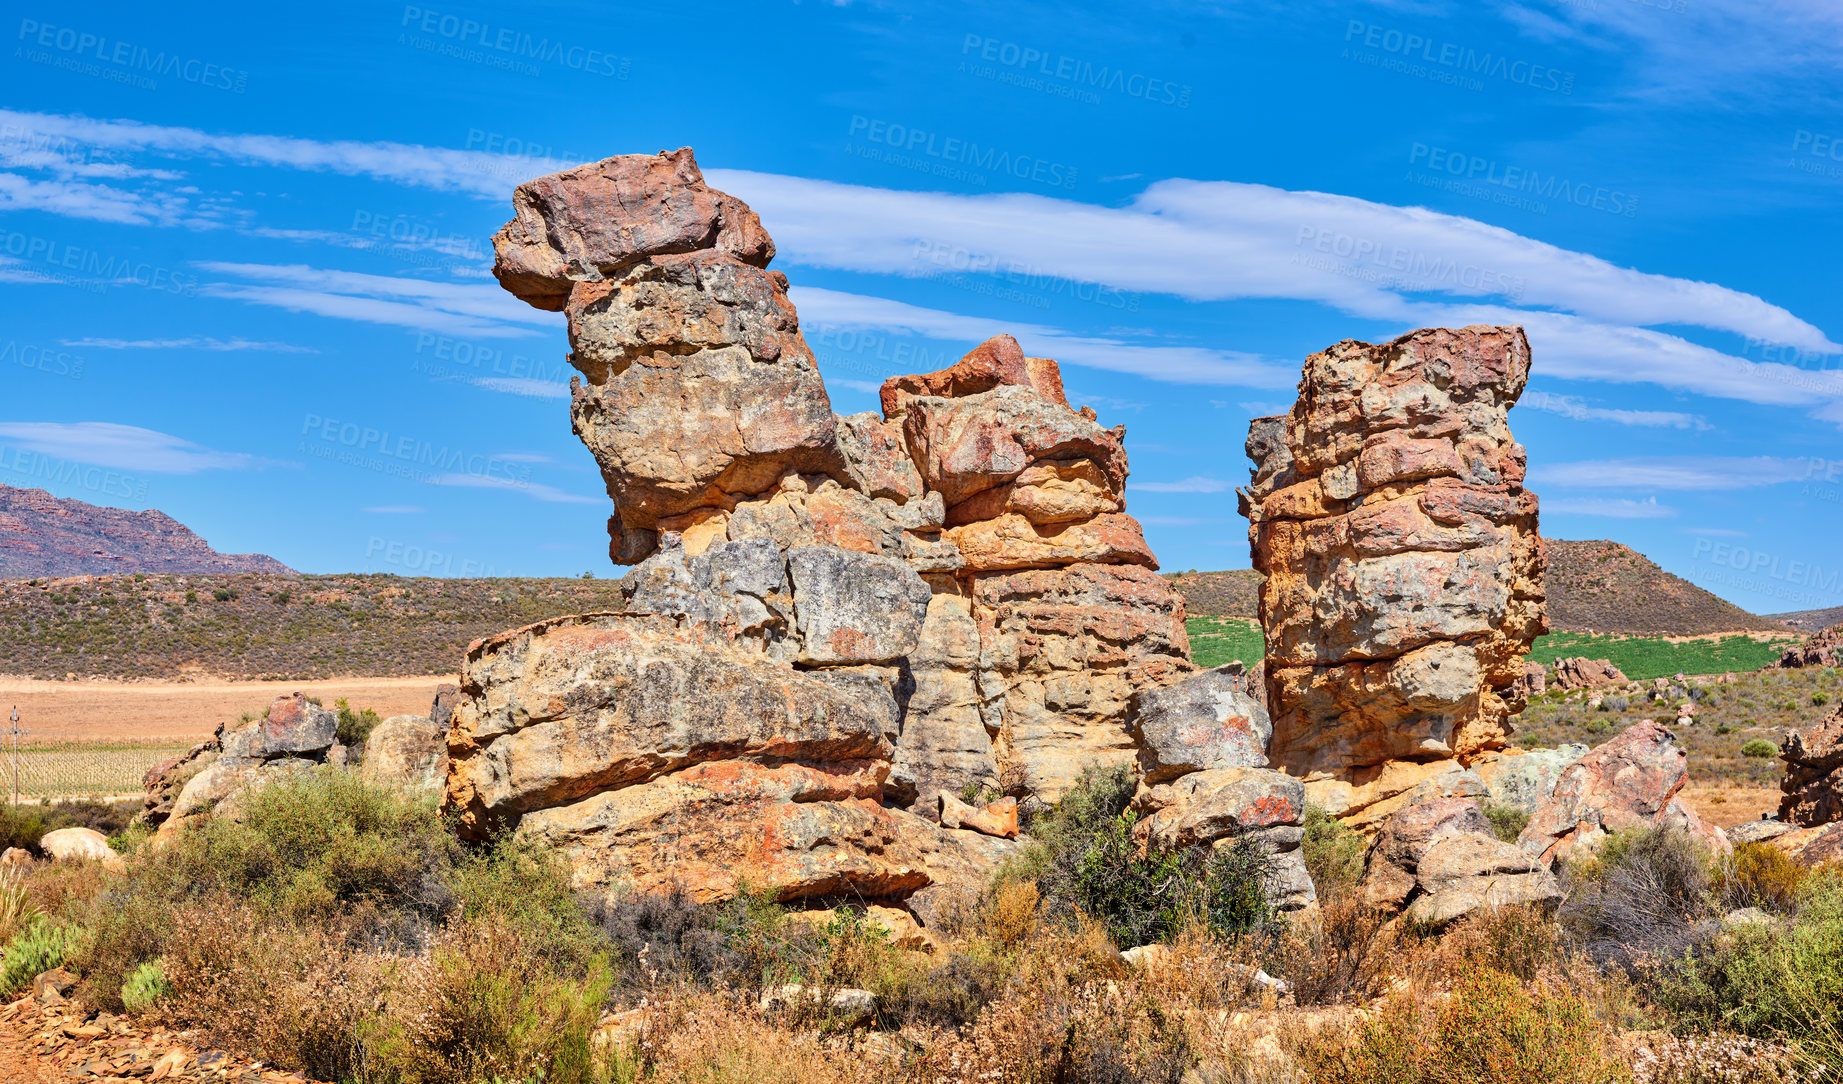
(1632, 780)
(407, 751)
(1813, 780)
(294, 735)
(972, 535)
(1438, 861)
(1525, 780)
(1584, 673)
(1822, 648)
(1404, 575)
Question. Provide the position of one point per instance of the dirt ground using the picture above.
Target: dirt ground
(108, 710)
(1726, 805)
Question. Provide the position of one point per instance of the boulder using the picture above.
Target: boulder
(15, 856)
(1205, 721)
(1437, 861)
(1757, 831)
(1813, 779)
(1534, 682)
(1632, 780)
(296, 734)
(997, 818)
(406, 751)
(1219, 807)
(1822, 648)
(1812, 847)
(855, 607)
(80, 845)
(1403, 568)
(1524, 780)
(1584, 673)
(165, 780)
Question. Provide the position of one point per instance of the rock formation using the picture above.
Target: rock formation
(1813, 780)
(1581, 672)
(1822, 648)
(1438, 861)
(1404, 575)
(1631, 780)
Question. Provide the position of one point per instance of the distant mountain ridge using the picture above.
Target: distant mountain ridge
(1811, 620)
(1593, 586)
(42, 535)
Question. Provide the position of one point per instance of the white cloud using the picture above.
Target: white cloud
(382, 299)
(188, 344)
(1671, 472)
(535, 490)
(868, 387)
(1569, 406)
(1193, 484)
(1183, 364)
(124, 447)
(1615, 507)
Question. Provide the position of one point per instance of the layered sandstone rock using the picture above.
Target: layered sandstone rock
(1438, 861)
(1813, 781)
(1404, 575)
(1632, 780)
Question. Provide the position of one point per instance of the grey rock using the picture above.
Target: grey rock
(1527, 779)
(407, 751)
(1203, 722)
(1758, 831)
(855, 607)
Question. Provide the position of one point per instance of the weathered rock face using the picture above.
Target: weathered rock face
(1584, 673)
(1525, 780)
(1824, 648)
(972, 537)
(1404, 574)
(1813, 781)
(1437, 861)
(1631, 780)
(407, 751)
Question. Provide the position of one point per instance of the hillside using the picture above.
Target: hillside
(42, 535)
(1593, 587)
(1809, 621)
(254, 626)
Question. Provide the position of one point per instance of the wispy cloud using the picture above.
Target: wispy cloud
(535, 490)
(522, 385)
(125, 447)
(380, 299)
(1569, 406)
(189, 344)
(1671, 472)
(1193, 484)
(1614, 507)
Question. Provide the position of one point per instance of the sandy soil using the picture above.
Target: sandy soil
(1726, 805)
(107, 710)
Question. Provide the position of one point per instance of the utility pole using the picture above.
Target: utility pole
(16, 733)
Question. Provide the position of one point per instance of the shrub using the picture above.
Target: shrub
(1012, 915)
(1338, 953)
(22, 826)
(666, 937)
(17, 908)
(222, 594)
(145, 985)
(1644, 894)
(1333, 852)
(1615, 703)
(355, 726)
(1492, 1028)
(1758, 875)
(1090, 862)
(1759, 747)
(1507, 821)
(41, 946)
(1820, 698)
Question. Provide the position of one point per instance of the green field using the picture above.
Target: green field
(1216, 640)
(1644, 657)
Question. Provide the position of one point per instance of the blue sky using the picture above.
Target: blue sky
(245, 261)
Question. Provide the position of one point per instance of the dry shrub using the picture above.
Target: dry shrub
(1520, 941)
(1012, 915)
(1712, 1059)
(297, 996)
(1344, 951)
(1492, 1028)
(17, 907)
(1758, 875)
(485, 1002)
(718, 1039)
(1646, 894)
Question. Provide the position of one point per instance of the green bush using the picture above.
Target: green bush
(145, 985)
(1770, 982)
(355, 726)
(1088, 861)
(1759, 747)
(22, 826)
(1507, 821)
(40, 947)
(1333, 852)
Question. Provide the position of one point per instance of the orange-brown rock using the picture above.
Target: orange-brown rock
(1404, 574)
